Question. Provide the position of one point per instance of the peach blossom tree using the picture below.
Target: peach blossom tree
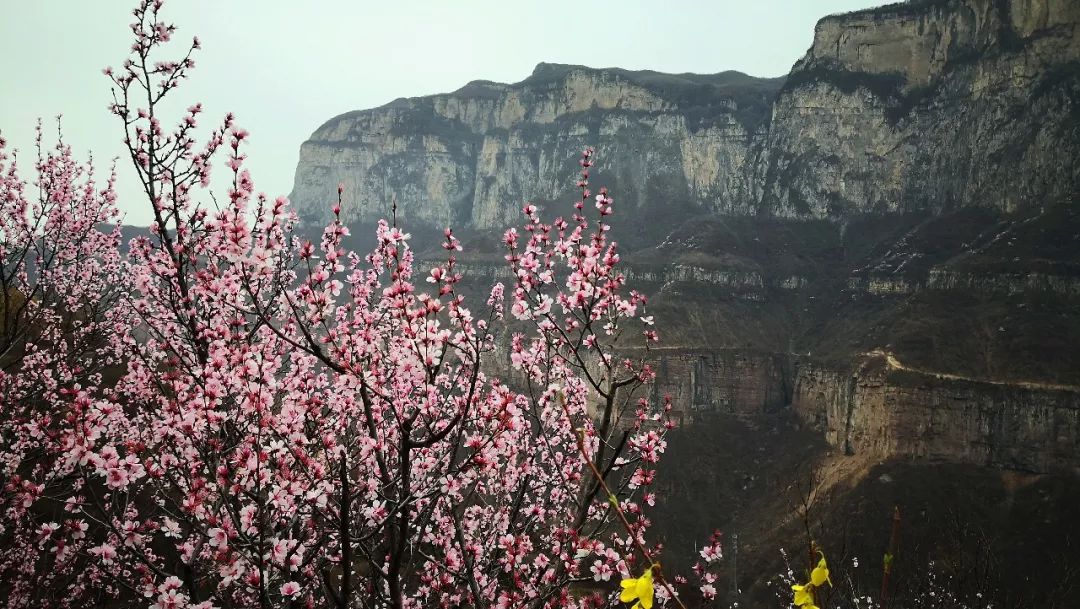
(295, 424)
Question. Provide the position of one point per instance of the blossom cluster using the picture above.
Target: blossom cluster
(229, 415)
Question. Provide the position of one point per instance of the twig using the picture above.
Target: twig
(655, 566)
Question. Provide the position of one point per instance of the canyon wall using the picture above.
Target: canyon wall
(881, 413)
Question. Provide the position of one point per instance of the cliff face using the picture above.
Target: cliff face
(472, 157)
(936, 104)
(932, 104)
(880, 410)
(883, 414)
(740, 383)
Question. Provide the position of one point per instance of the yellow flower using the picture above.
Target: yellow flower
(640, 589)
(820, 574)
(804, 595)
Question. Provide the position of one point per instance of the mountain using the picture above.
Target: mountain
(671, 145)
(869, 268)
(921, 105)
(938, 104)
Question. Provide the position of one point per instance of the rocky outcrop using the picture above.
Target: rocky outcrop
(932, 104)
(883, 414)
(472, 157)
(881, 286)
(947, 280)
(1012, 283)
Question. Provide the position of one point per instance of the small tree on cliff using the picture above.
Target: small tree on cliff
(301, 425)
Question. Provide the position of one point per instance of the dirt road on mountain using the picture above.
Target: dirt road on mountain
(895, 364)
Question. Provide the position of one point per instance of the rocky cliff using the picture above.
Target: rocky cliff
(937, 104)
(672, 145)
(934, 104)
(883, 412)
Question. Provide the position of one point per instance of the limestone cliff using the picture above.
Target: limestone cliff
(932, 104)
(935, 105)
(671, 143)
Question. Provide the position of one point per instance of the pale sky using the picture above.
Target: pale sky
(286, 66)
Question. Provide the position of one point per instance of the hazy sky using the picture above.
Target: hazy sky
(286, 66)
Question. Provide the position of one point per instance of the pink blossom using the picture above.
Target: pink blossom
(116, 477)
(105, 552)
(218, 538)
(601, 571)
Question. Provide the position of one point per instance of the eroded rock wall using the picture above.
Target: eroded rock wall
(472, 157)
(883, 414)
(929, 105)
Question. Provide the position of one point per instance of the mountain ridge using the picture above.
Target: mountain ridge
(844, 133)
